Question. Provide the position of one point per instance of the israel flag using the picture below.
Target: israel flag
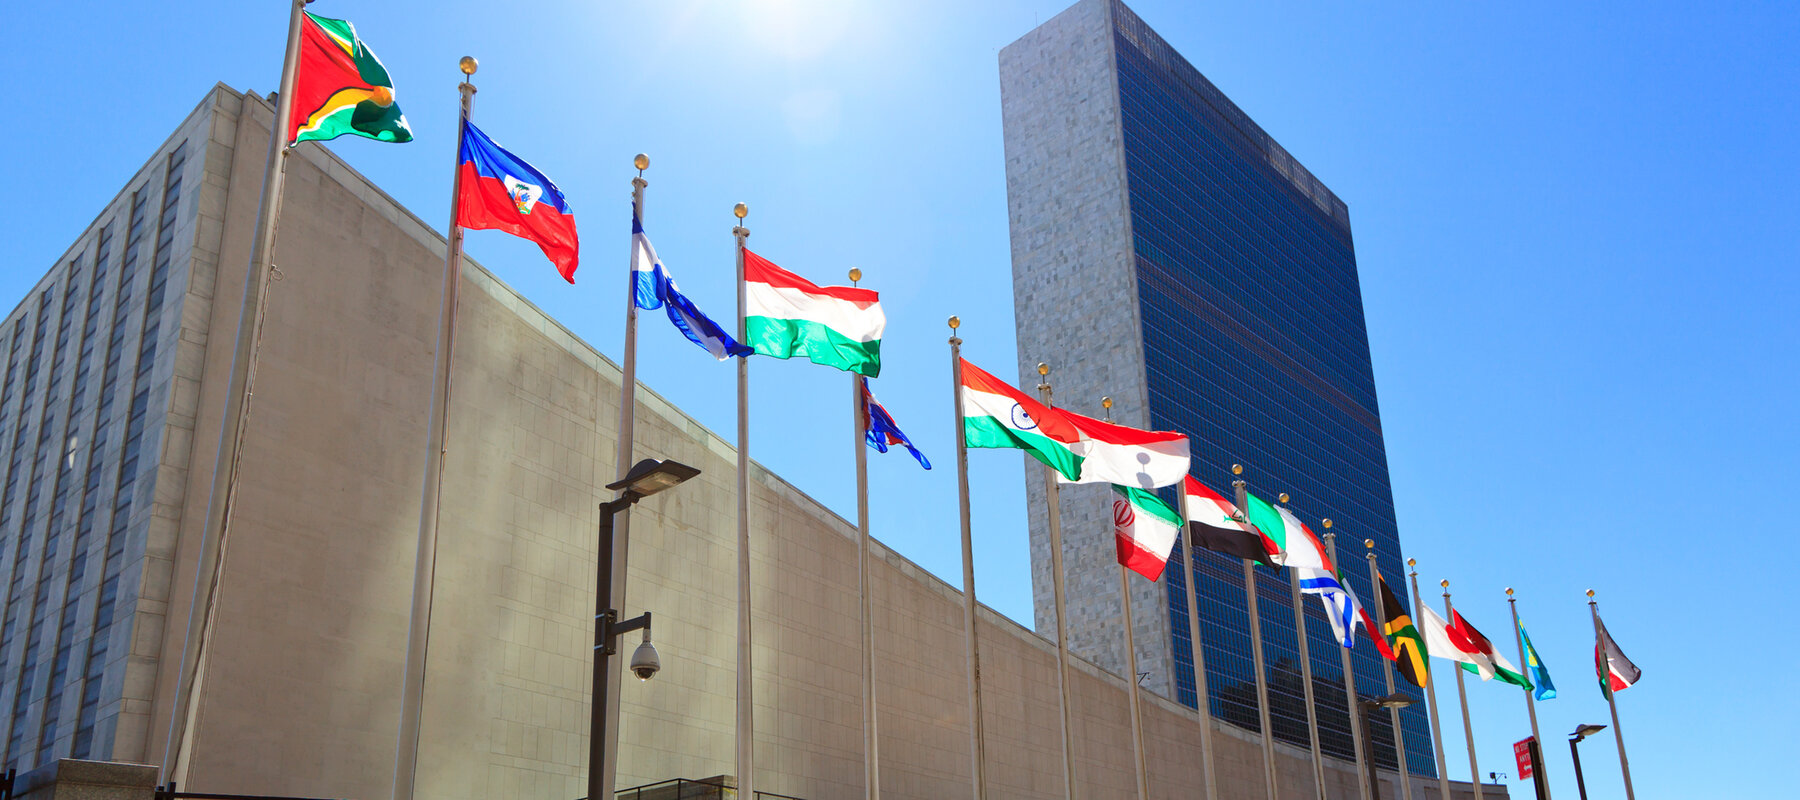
(652, 288)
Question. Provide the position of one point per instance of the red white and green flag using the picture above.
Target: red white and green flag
(1144, 529)
(1457, 640)
(997, 415)
(1128, 456)
(787, 315)
(341, 88)
(1615, 670)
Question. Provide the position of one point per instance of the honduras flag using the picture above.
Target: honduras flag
(652, 288)
(879, 430)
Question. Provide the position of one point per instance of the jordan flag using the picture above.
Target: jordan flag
(1615, 670)
(499, 191)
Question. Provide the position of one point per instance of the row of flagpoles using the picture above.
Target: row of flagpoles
(333, 85)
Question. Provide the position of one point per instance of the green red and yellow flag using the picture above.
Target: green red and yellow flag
(340, 88)
(1409, 646)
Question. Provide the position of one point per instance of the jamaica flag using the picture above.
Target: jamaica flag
(1409, 646)
(340, 87)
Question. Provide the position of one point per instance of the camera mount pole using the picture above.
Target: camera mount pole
(606, 632)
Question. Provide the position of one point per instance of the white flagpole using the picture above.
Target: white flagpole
(1256, 645)
(1462, 694)
(1131, 672)
(1437, 724)
(1612, 703)
(412, 697)
(972, 656)
(1306, 679)
(1202, 697)
(1388, 671)
(1350, 698)
(1541, 782)
(746, 706)
(236, 419)
(871, 739)
(1053, 500)
(621, 553)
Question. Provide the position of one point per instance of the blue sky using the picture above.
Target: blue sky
(1576, 229)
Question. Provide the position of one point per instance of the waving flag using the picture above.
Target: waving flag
(1615, 670)
(501, 192)
(340, 88)
(997, 415)
(652, 288)
(1213, 524)
(1144, 529)
(879, 430)
(787, 315)
(1534, 667)
(1403, 636)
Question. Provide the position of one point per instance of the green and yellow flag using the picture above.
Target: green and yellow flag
(340, 88)
(1409, 646)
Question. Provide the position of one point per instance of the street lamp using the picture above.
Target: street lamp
(1395, 700)
(646, 478)
(1581, 732)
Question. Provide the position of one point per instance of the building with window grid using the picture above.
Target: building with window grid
(1169, 253)
(111, 405)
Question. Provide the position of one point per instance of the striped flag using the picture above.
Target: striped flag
(652, 288)
(1213, 524)
(880, 430)
(1615, 670)
(1144, 529)
(787, 315)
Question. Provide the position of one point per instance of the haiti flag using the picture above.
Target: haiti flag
(499, 191)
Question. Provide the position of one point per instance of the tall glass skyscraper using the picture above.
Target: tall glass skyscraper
(1167, 252)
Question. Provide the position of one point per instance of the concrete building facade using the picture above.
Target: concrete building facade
(298, 687)
(1167, 252)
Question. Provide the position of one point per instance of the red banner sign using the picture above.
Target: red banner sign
(1522, 752)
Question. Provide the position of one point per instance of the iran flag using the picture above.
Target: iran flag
(1144, 528)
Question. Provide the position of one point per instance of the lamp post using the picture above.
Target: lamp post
(1395, 700)
(1575, 738)
(646, 478)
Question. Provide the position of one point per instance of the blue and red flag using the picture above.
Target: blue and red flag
(501, 192)
(880, 430)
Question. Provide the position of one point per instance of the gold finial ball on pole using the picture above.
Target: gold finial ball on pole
(1106, 402)
(1043, 368)
(740, 210)
(1412, 562)
(1327, 522)
(468, 65)
(1369, 543)
(855, 274)
(641, 161)
(955, 322)
(1509, 591)
(1283, 498)
(1237, 469)
(1444, 583)
(1590, 593)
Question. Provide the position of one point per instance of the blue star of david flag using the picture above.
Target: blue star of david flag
(880, 430)
(652, 288)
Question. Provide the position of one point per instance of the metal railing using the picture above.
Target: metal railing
(171, 792)
(688, 789)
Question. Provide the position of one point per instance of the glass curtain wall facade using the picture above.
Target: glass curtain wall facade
(1241, 290)
(1255, 345)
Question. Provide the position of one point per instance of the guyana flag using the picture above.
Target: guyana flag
(1409, 646)
(340, 87)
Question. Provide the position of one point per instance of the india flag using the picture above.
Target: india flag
(787, 315)
(997, 415)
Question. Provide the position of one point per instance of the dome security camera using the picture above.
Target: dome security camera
(644, 661)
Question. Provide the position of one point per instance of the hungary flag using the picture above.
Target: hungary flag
(787, 315)
(340, 87)
(997, 415)
(1213, 524)
(1144, 529)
